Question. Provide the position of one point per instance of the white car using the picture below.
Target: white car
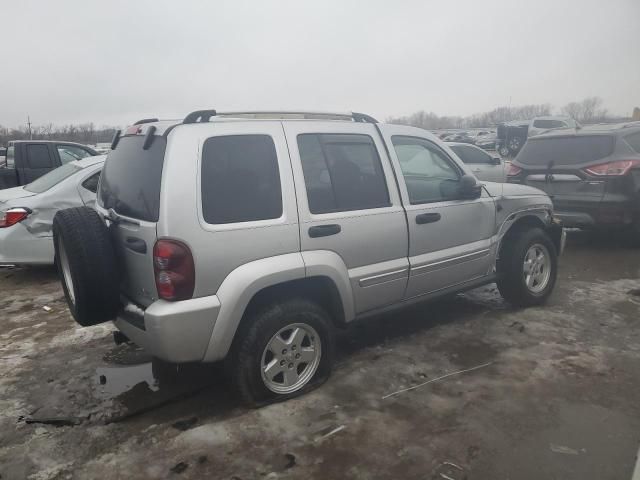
(484, 166)
(543, 124)
(26, 213)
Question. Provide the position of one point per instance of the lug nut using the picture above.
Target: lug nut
(297, 355)
(282, 362)
(291, 365)
(293, 347)
(284, 352)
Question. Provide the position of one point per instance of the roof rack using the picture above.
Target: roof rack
(201, 116)
(146, 120)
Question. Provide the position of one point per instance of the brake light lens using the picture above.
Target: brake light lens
(13, 216)
(620, 167)
(513, 170)
(174, 270)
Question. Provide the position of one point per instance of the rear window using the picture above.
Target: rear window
(131, 178)
(565, 150)
(38, 156)
(548, 124)
(52, 178)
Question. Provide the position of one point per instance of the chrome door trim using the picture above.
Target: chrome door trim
(382, 278)
(430, 267)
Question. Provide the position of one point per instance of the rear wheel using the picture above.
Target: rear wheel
(286, 350)
(515, 144)
(86, 264)
(527, 267)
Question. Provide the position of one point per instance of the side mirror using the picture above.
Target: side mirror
(496, 160)
(470, 188)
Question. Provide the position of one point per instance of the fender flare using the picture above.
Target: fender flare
(243, 283)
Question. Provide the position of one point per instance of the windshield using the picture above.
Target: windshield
(52, 178)
(131, 178)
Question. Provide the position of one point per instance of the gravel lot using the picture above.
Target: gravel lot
(557, 396)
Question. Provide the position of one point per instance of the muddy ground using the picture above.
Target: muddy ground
(558, 396)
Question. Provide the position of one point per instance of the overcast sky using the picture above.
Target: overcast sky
(113, 62)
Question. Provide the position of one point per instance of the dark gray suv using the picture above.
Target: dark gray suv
(592, 175)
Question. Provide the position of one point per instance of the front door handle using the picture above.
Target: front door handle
(427, 218)
(324, 230)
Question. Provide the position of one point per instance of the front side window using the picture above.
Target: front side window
(38, 156)
(240, 179)
(429, 174)
(471, 154)
(70, 153)
(342, 172)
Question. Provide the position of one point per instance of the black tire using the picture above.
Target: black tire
(81, 237)
(511, 277)
(246, 361)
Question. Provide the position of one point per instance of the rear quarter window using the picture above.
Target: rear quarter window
(573, 150)
(240, 179)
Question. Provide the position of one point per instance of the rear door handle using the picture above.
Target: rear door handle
(136, 244)
(324, 230)
(427, 218)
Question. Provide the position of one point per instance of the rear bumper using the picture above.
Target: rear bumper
(173, 331)
(613, 212)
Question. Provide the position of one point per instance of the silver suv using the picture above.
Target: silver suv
(251, 236)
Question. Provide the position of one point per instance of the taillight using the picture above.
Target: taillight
(13, 216)
(174, 270)
(619, 167)
(513, 170)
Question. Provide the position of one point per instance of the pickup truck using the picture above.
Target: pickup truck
(27, 160)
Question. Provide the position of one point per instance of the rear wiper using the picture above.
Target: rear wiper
(114, 217)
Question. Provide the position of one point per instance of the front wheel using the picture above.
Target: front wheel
(286, 350)
(527, 268)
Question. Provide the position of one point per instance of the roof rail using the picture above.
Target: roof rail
(199, 116)
(146, 120)
(205, 115)
(363, 117)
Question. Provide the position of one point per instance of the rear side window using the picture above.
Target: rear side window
(131, 178)
(565, 150)
(549, 124)
(240, 179)
(38, 156)
(342, 172)
(634, 141)
(91, 183)
(471, 155)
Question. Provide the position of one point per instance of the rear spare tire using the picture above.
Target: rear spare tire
(86, 263)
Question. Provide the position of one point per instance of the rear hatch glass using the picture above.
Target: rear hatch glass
(130, 185)
(131, 178)
(565, 151)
